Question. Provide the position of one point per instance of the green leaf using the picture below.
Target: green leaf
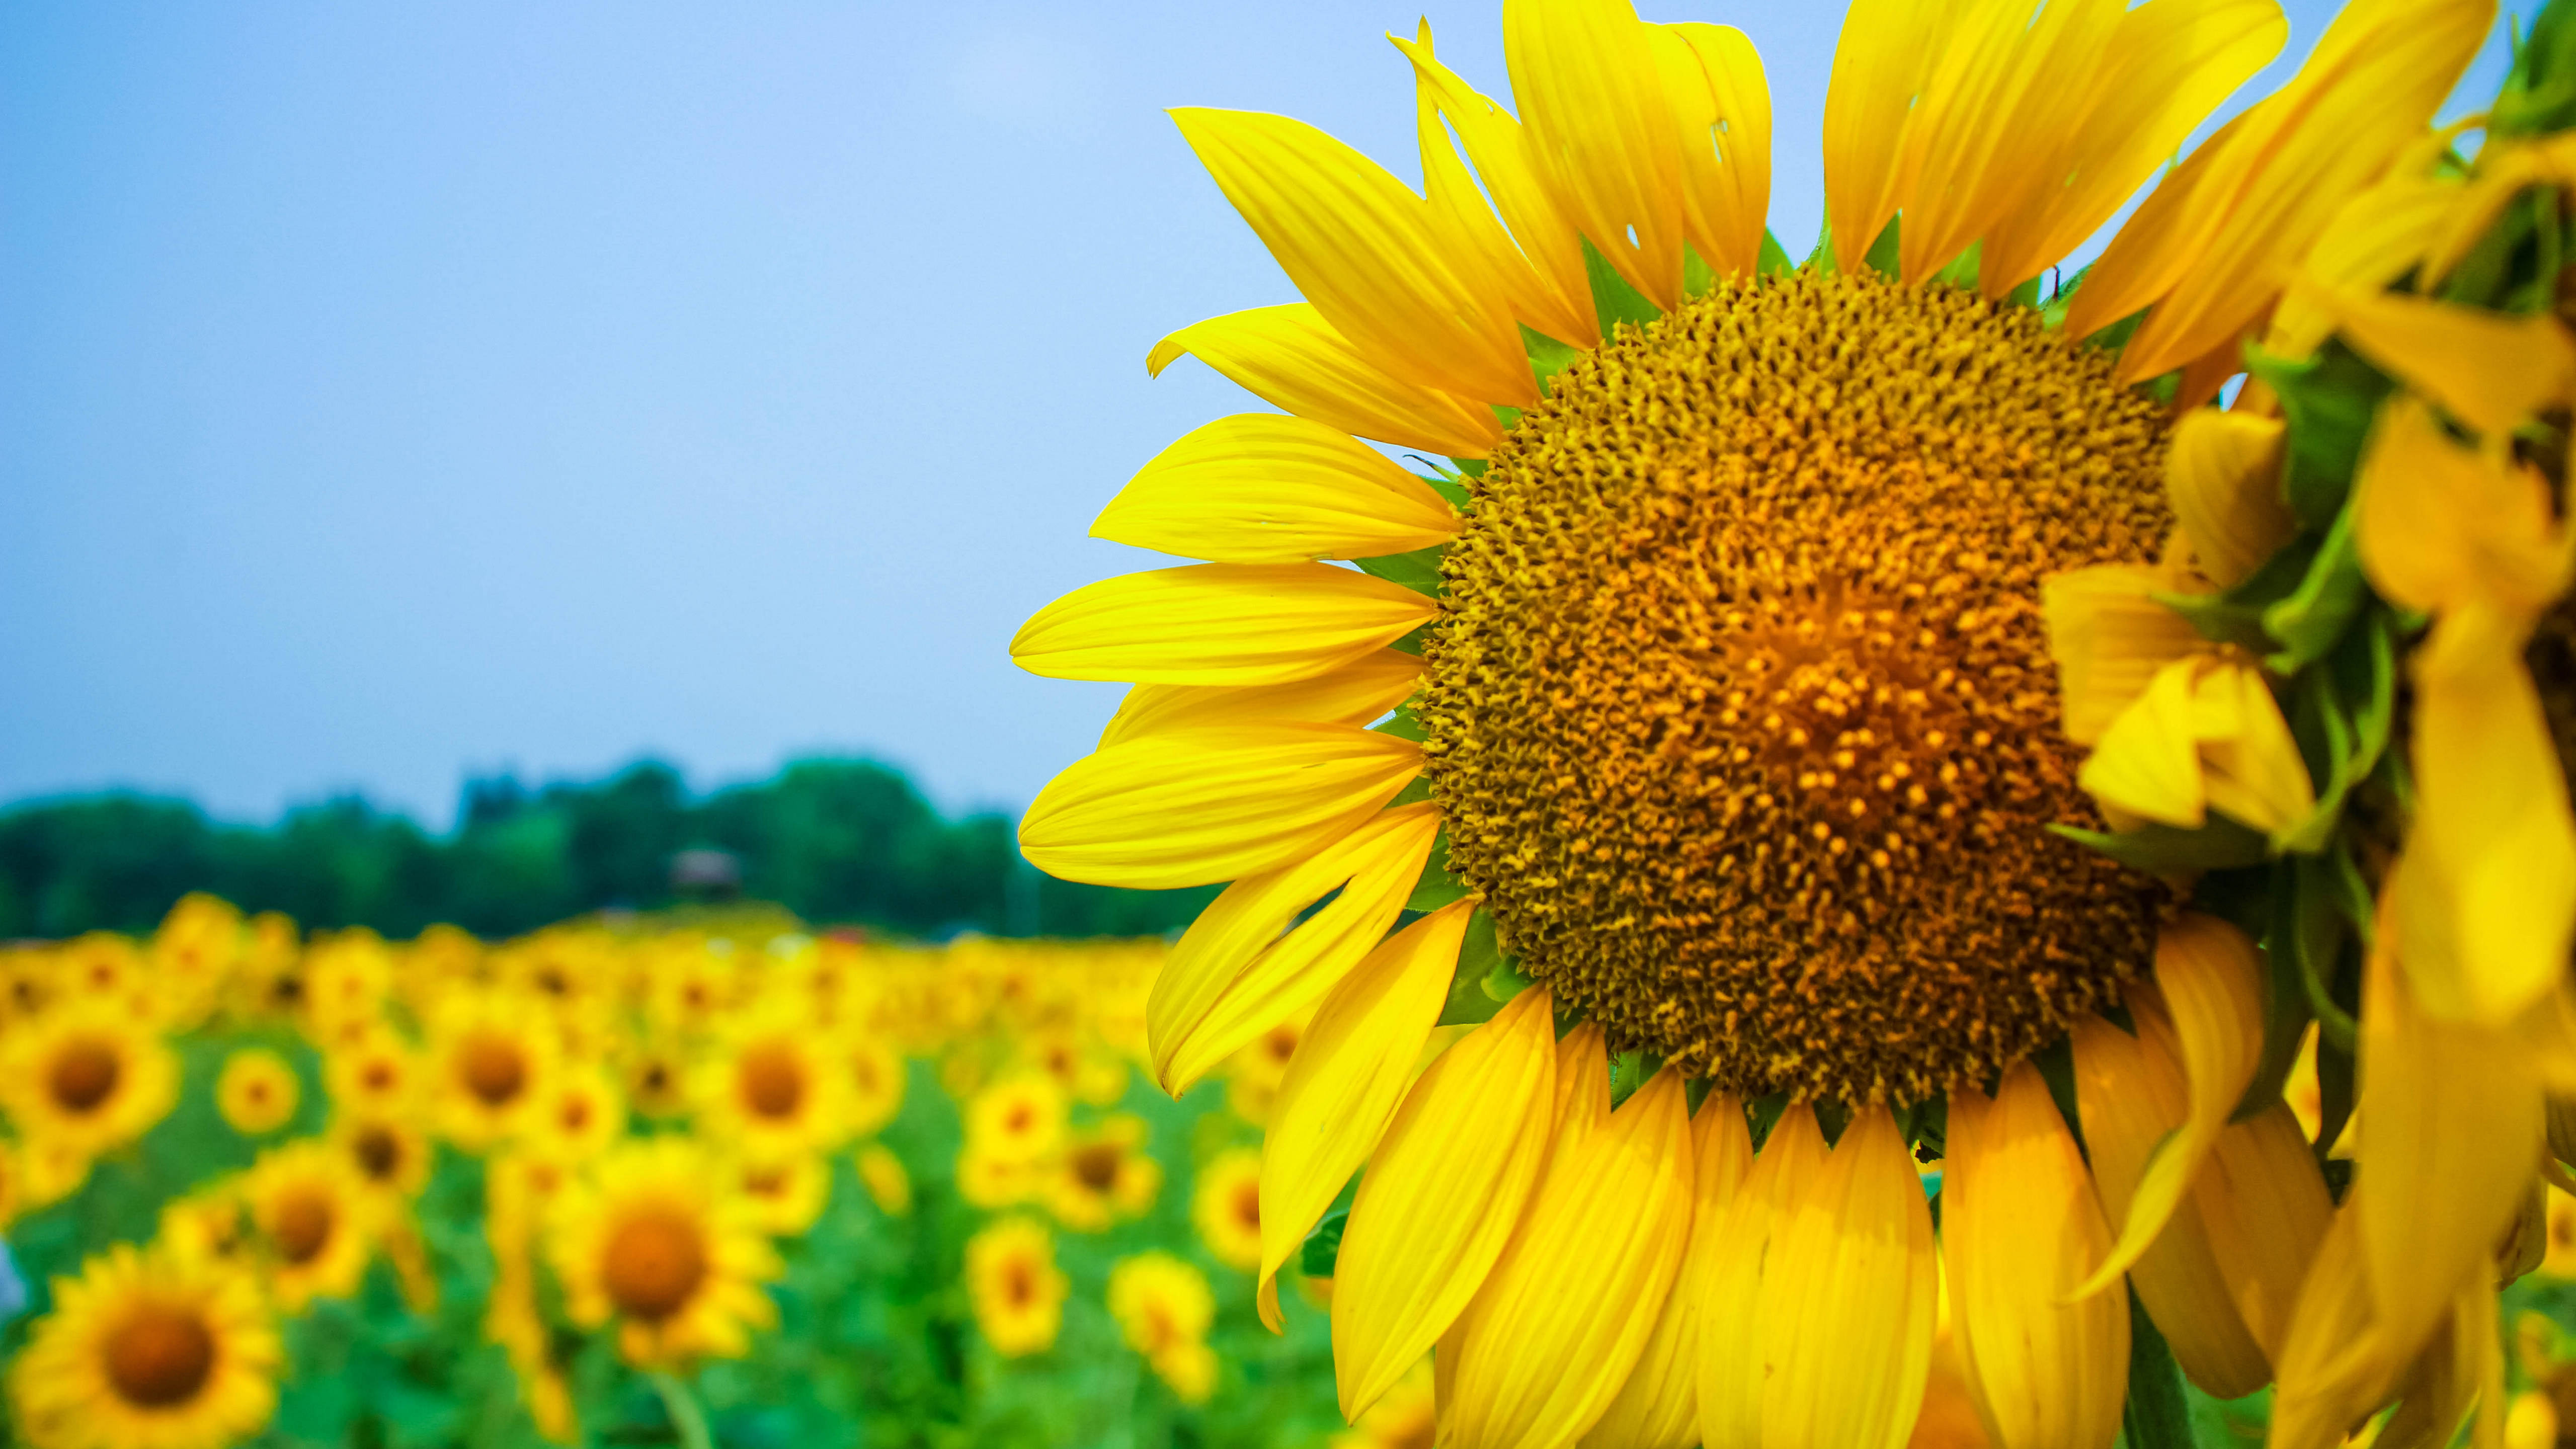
(1774, 261)
(1962, 271)
(1401, 724)
(2341, 715)
(1435, 887)
(2163, 849)
(2329, 401)
(2315, 615)
(2286, 1012)
(1547, 358)
(1479, 956)
(1697, 275)
(1418, 570)
(2312, 930)
(1881, 257)
(1324, 1245)
(2158, 1413)
(2235, 616)
(2539, 94)
(1613, 300)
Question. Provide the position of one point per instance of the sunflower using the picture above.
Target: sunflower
(194, 954)
(659, 1241)
(580, 1112)
(1709, 694)
(1163, 1306)
(1226, 1206)
(492, 1059)
(390, 1154)
(148, 1349)
(786, 1194)
(772, 1086)
(1104, 1175)
(379, 1071)
(314, 1220)
(1017, 1290)
(882, 1174)
(657, 1079)
(85, 1078)
(876, 1083)
(257, 1091)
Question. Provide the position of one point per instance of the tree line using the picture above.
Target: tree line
(837, 841)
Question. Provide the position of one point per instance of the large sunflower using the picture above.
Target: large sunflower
(663, 1243)
(1725, 717)
(148, 1350)
(85, 1077)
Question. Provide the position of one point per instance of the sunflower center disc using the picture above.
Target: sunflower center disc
(303, 1227)
(85, 1074)
(495, 1072)
(1742, 714)
(655, 1261)
(378, 1153)
(1095, 1165)
(159, 1357)
(773, 1081)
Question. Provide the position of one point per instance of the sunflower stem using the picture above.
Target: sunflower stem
(2157, 1414)
(687, 1419)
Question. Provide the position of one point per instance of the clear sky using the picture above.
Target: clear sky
(389, 392)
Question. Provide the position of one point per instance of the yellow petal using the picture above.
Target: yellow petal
(2265, 1207)
(2489, 910)
(1358, 693)
(1560, 1322)
(2489, 369)
(2223, 473)
(1290, 357)
(1219, 624)
(2441, 525)
(2147, 763)
(2252, 766)
(1216, 993)
(2215, 255)
(1713, 82)
(1560, 305)
(2129, 1092)
(1741, 1350)
(2164, 68)
(2452, 1133)
(2109, 637)
(2377, 238)
(2505, 170)
(1351, 1068)
(1658, 1408)
(1198, 805)
(2208, 998)
(1472, 1131)
(1882, 62)
(1601, 131)
(2020, 1228)
(2437, 1391)
(1258, 488)
(1364, 250)
(2329, 1372)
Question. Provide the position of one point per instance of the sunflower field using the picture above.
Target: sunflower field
(700, 1181)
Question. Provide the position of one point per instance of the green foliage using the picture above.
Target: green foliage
(833, 840)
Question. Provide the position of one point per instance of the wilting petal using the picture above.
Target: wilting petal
(2490, 369)
(1364, 250)
(1290, 357)
(2378, 237)
(2109, 636)
(1358, 693)
(2452, 1133)
(1601, 131)
(2264, 1205)
(2129, 1092)
(1817, 1328)
(1472, 1134)
(1658, 1408)
(1257, 488)
(1720, 102)
(2207, 733)
(2449, 1376)
(2165, 66)
(2223, 473)
(1233, 977)
(2441, 525)
(1884, 59)
(1561, 1320)
(2020, 1229)
(1351, 1068)
(2214, 245)
(1196, 805)
(1219, 624)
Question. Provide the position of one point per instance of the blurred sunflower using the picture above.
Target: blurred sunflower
(257, 1091)
(883, 1175)
(772, 1086)
(492, 1060)
(1724, 714)
(581, 1112)
(657, 1078)
(876, 1083)
(379, 1071)
(314, 1221)
(391, 1156)
(208, 1222)
(1163, 1306)
(1104, 1175)
(86, 1077)
(148, 1349)
(1017, 1290)
(786, 1194)
(1226, 1205)
(193, 957)
(661, 1242)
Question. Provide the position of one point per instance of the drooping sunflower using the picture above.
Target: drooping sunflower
(85, 1077)
(149, 1349)
(1707, 695)
(662, 1243)
(1017, 1289)
(257, 1091)
(314, 1219)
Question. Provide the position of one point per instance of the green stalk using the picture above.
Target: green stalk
(686, 1417)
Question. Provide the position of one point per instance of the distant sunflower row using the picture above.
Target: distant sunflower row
(604, 1155)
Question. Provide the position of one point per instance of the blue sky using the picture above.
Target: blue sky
(393, 392)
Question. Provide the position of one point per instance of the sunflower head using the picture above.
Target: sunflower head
(85, 1076)
(150, 1347)
(1018, 1291)
(314, 1221)
(492, 1059)
(257, 1091)
(1226, 1206)
(661, 1240)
